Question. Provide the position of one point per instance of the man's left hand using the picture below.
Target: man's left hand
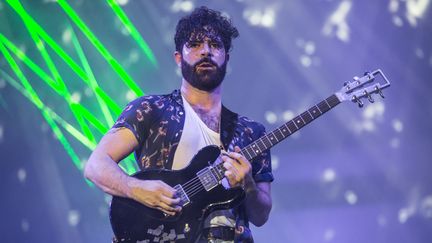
(238, 168)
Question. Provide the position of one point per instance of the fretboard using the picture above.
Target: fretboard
(274, 137)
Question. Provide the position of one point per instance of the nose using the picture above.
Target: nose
(205, 50)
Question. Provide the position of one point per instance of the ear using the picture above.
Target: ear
(178, 58)
(227, 57)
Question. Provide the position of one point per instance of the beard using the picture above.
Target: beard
(205, 80)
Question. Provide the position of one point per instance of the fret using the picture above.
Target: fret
(311, 117)
(267, 141)
(280, 131)
(315, 111)
(255, 148)
(292, 126)
(306, 117)
(319, 109)
(270, 143)
(273, 137)
(327, 104)
(264, 147)
(300, 120)
(285, 130)
(246, 150)
(323, 106)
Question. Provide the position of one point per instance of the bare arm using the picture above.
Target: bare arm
(103, 170)
(258, 202)
(258, 197)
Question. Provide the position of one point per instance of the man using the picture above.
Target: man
(165, 131)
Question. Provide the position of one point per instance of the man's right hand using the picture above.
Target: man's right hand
(155, 194)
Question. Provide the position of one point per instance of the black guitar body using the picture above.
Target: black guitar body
(132, 221)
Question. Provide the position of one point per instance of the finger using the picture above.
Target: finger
(165, 210)
(170, 201)
(167, 190)
(170, 208)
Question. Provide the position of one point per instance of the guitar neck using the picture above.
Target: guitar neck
(274, 137)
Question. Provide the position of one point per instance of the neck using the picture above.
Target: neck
(203, 100)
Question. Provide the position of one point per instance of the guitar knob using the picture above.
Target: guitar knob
(186, 228)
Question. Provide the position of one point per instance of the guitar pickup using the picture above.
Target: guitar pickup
(184, 199)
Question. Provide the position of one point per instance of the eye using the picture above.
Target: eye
(193, 44)
(216, 45)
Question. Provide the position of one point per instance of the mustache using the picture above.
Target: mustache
(206, 60)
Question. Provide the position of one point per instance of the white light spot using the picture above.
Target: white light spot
(124, 29)
(329, 235)
(88, 91)
(329, 175)
(130, 95)
(351, 197)
(393, 6)
(368, 126)
(381, 220)
(73, 217)
(416, 10)
(336, 24)
(309, 48)
(395, 143)
(271, 117)
(305, 60)
(22, 175)
(265, 18)
(76, 97)
(134, 56)
(275, 162)
(182, 6)
(287, 115)
(397, 21)
(419, 53)
(397, 125)
(426, 207)
(405, 213)
(252, 16)
(25, 225)
(268, 19)
(374, 111)
(67, 36)
(122, 2)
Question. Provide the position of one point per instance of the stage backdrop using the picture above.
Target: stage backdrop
(68, 68)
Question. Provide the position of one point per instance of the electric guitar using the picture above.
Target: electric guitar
(199, 185)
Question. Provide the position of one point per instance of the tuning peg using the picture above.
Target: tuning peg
(379, 91)
(358, 101)
(366, 73)
(371, 100)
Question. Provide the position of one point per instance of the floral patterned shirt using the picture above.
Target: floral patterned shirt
(157, 122)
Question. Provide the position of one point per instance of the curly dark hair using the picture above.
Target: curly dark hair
(200, 20)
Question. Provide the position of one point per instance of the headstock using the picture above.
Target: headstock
(363, 87)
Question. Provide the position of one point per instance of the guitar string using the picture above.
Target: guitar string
(194, 186)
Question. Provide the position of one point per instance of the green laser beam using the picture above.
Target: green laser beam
(100, 47)
(57, 83)
(133, 31)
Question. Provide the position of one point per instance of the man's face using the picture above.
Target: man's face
(203, 62)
